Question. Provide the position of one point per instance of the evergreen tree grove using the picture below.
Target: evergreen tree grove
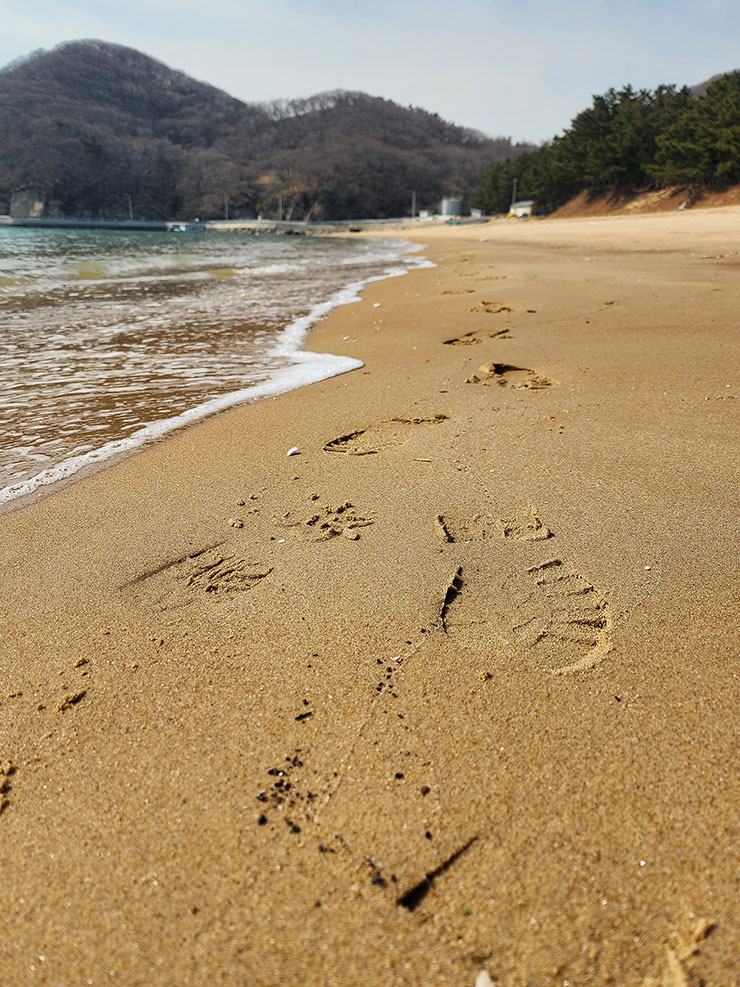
(627, 140)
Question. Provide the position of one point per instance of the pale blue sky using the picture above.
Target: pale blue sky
(522, 68)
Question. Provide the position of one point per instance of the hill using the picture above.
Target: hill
(701, 87)
(90, 124)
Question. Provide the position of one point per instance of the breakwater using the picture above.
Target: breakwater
(302, 228)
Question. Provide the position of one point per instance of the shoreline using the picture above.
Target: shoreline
(454, 689)
(304, 367)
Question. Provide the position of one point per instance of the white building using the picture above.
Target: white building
(522, 208)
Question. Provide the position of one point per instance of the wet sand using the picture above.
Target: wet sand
(453, 690)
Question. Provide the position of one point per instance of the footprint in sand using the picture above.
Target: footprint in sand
(324, 522)
(477, 336)
(458, 291)
(216, 571)
(544, 611)
(560, 618)
(491, 308)
(523, 525)
(375, 438)
(506, 375)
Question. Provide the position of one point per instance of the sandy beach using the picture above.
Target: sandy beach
(454, 689)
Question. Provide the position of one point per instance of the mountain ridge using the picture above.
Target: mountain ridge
(96, 127)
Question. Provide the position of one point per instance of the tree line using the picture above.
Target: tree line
(98, 129)
(628, 140)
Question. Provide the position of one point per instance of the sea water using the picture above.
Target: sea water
(110, 340)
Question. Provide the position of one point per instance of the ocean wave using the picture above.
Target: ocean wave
(298, 368)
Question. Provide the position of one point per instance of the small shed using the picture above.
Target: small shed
(522, 208)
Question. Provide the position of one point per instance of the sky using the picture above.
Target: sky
(520, 68)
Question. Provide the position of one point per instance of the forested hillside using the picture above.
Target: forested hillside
(629, 140)
(95, 127)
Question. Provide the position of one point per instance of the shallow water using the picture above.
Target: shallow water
(111, 339)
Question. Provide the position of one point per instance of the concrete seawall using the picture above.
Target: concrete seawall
(226, 226)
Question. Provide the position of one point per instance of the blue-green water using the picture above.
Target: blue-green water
(111, 339)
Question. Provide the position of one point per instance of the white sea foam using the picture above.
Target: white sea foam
(312, 367)
(303, 367)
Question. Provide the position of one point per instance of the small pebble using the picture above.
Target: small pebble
(236, 522)
(647, 568)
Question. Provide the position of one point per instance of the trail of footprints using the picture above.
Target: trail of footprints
(545, 609)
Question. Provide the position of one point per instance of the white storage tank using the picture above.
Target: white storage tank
(451, 207)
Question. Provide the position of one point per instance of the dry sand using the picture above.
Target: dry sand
(455, 689)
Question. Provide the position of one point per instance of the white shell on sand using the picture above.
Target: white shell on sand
(483, 980)
(295, 451)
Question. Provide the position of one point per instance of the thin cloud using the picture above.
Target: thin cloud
(522, 70)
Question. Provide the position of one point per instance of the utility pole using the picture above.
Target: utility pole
(130, 206)
(226, 205)
(513, 192)
(413, 205)
(280, 206)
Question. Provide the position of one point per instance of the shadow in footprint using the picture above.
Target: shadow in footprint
(506, 375)
(475, 337)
